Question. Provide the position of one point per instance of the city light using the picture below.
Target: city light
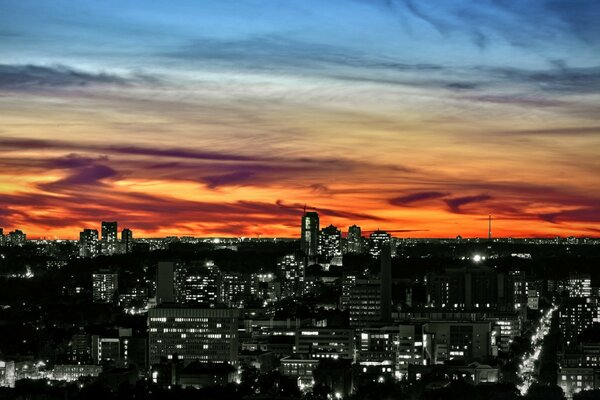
(526, 368)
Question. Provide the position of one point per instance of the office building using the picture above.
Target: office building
(325, 342)
(88, 243)
(456, 340)
(365, 301)
(126, 240)
(330, 242)
(385, 278)
(16, 238)
(204, 334)
(104, 287)
(290, 270)
(309, 240)
(576, 314)
(109, 238)
(165, 282)
(377, 240)
(354, 240)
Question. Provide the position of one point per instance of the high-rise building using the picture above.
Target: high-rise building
(355, 242)
(386, 282)
(376, 241)
(16, 238)
(330, 242)
(109, 237)
(579, 285)
(1, 237)
(203, 334)
(365, 302)
(104, 286)
(309, 242)
(165, 282)
(290, 271)
(198, 284)
(127, 240)
(88, 243)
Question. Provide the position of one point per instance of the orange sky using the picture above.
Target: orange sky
(196, 122)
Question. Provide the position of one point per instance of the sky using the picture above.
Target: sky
(227, 118)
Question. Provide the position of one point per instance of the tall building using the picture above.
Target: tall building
(330, 242)
(104, 286)
(16, 238)
(290, 271)
(198, 284)
(386, 282)
(355, 240)
(127, 240)
(1, 237)
(309, 242)
(109, 237)
(165, 282)
(203, 334)
(88, 243)
(365, 302)
(376, 241)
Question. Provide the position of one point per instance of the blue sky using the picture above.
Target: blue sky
(421, 115)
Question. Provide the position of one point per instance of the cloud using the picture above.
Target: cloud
(416, 197)
(456, 203)
(228, 179)
(33, 77)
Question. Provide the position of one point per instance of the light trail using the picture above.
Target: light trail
(527, 366)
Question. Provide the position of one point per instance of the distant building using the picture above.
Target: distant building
(109, 237)
(127, 240)
(309, 241)
(199, 284)
(576, 314)
(469, 288)
(88, 243)
(330, 242)
(204, 334)
(165, 282)
(447, 340)
(104, 287)
(325, 342)
(72, 372)
(365, 301)
(377, 240)
(290, 270)
(355, 241)
(16, 238)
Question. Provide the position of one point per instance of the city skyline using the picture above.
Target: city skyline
(221, 120)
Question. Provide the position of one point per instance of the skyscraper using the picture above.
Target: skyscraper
(104, 286)
(127, 240)
(376, 241)
(109, 237)
(165, 282)
(355, 239)
(330, 242)
(386, 282)
(88, 243)
(309, 241)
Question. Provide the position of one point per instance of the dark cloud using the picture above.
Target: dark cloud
(589, 215)
(228, 179)
(31, 77)
(416, 197)
(456, 203)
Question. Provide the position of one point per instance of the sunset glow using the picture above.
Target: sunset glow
(220, 118)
